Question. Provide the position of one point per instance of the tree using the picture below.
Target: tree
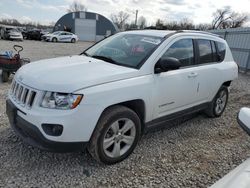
(159, 24)
(220, 17)
(120, 19)
(238, 19)
(203, 27)
(77, 6)
(186, 24)
(142, 22)
(226, 18)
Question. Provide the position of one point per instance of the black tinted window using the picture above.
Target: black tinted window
(205, 49)
(215, 54)
(221, 50)
(183, 51)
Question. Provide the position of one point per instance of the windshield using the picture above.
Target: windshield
(125, 49)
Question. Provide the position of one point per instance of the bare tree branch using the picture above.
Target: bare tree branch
(226, 18)
(120, 19)
(77, 6)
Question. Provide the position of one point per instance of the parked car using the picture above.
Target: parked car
(239, 177)
(11, 34)
(125, 85)
(35, 34)
(60, 36)
(23, 31)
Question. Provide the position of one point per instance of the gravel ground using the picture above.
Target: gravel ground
(36, 50)
(194, 154)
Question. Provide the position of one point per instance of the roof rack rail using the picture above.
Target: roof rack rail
(201, 32)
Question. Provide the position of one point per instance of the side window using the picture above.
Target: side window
(182, 50)
(221, 50)
(205, 49)
(215, 54)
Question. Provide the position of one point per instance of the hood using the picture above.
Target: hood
(48, 35)
(69, 74)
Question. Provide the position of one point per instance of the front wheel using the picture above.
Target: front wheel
(116, 135)
(73, 40)
(218, 105)
(54, 39)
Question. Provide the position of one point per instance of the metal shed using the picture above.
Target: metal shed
(88, 26)
(238, 40)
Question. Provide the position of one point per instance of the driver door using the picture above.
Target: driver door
(177, 90)
(62, 36)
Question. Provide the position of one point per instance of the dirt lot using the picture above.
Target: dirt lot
(194, 154)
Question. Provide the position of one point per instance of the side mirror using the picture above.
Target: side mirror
(166, 64)
(244, 119)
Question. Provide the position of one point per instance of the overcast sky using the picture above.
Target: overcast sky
(46, 11)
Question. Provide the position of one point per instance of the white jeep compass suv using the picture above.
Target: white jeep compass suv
(128, 83)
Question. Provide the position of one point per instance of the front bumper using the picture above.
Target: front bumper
(31, 135)
(47, 39)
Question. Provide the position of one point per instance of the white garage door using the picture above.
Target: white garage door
(85, 29)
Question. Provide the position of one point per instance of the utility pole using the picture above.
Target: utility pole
(136, 14)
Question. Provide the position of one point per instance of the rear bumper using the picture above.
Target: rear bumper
(31, 135)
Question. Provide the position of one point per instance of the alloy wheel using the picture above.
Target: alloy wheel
(119, 137)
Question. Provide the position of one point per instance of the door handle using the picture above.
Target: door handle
(192, 75)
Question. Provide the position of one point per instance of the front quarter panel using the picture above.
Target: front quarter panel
(112, 93)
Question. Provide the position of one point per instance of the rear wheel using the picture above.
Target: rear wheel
(73, 40)
(218, 105)
(54, 39)
(116, 135)
(5, 76)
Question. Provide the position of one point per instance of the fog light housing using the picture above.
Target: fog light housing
(52, 129)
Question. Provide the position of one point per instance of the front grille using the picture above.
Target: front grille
(22, 95)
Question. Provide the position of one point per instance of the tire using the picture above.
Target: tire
(5, 76)
(115, 119)
(73, 40)
(54, 39)
(219, 103)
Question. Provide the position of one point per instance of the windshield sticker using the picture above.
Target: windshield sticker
(151, 40)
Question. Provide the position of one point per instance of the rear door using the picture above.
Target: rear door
(207, 69)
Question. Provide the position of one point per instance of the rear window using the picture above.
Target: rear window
(205, 49)
(221, 50)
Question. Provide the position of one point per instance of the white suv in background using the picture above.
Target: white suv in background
(119, 88)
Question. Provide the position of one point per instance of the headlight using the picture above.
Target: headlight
(63, 101)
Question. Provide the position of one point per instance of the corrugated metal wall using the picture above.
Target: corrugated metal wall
(238, 40)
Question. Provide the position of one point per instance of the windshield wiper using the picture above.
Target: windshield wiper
(104, 58)
(84, 53)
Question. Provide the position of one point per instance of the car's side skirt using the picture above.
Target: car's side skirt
(175, 118)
